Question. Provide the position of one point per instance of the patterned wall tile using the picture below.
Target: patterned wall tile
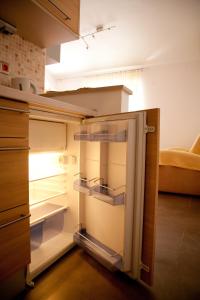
(24, 58)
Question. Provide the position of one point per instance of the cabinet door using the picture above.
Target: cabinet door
(15, 240)
(126, 156)
(13, 178)
(66, 11)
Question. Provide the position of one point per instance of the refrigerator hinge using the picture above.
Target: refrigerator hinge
(149, 129)
(144, 267)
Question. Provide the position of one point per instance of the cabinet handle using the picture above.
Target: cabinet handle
(14, 148)
(15, 109)
(22, 217)
(66, 16)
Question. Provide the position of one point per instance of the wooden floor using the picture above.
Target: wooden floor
(177, 266)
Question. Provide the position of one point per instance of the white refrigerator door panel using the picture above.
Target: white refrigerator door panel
(117, 162)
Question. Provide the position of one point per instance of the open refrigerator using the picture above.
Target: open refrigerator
(93, 182)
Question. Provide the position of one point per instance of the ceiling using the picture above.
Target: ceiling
(147, 32)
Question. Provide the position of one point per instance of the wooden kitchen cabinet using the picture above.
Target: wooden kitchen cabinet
(66, 11)
(46, 23)
(14, 208)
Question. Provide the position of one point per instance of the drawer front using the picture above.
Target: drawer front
(13, 178)
(11, 215)
(15, 247)
(13, 124)
(14, 143)
(11, 104)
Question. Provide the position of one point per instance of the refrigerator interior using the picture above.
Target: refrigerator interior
(53, 207)
(85, 186)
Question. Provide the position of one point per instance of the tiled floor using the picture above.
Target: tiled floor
(177, 266)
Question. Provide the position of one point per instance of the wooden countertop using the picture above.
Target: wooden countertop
(44, 103)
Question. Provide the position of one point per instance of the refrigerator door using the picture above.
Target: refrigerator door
(118, 190)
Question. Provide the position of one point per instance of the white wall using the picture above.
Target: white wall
(175, 88)
(50, 83)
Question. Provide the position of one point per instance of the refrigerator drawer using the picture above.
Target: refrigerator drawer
(13, 178)
(15, 246)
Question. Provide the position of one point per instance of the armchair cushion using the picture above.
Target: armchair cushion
(179, 170)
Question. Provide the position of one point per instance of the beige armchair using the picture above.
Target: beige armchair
(179, 170)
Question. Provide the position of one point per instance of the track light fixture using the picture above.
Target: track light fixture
(99, 28)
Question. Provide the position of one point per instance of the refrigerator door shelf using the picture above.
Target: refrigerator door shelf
(102, 136)
(110, 137)
(81, 186)
(106, 256)
(106, 131)
(100, 192)
(107, 195)
(82, 136)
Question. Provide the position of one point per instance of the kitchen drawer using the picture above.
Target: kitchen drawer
(13, 214)
(66, 11)
(13, 119)
(15, 246)
(13, 124)
(12, 104)
(14, 143)
(13, 178)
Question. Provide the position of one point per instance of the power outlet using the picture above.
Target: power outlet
(4, 67)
